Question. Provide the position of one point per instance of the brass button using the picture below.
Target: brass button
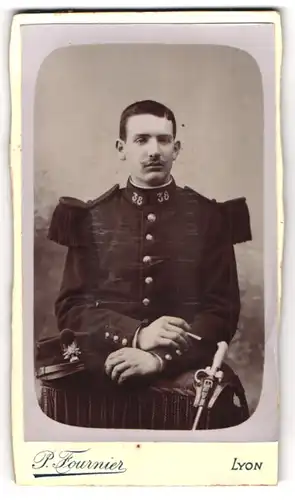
(168, 357)
(151, 217)
(97, 303)
(106, 335)
(124, 342)
(148, 280)
(115, 338)
(146, 302)
(178, 352)
(147, 259)
(149, 237)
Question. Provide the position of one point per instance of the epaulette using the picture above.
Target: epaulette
(236, 216)
(70, 223)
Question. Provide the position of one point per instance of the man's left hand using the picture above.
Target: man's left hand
(127, 362)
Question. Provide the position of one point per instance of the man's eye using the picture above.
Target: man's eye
(164, 140)
(140, 140)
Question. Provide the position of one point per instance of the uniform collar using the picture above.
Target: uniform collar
(159, 196)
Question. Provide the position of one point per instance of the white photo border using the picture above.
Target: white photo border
(272, 263)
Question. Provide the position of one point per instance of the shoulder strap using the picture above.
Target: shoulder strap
(200, 196)
(105, 196)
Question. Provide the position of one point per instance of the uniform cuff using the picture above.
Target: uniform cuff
(161, 362)
(134, 341)
(121, 334)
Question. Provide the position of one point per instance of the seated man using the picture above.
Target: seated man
(150, 281)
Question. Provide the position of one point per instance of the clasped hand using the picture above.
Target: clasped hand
(128, 362)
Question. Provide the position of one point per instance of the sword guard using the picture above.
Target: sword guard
(205, 385)
(206, 372)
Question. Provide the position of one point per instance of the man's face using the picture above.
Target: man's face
(149, 149)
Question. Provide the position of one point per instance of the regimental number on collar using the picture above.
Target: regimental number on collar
(138, 200)
(162, 196)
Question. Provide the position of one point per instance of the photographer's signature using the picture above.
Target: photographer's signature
(73, 463)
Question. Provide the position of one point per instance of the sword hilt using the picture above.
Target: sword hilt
(208, 378)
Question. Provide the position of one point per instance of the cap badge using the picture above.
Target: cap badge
(71, 352)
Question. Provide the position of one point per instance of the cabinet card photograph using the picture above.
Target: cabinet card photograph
(146, 171)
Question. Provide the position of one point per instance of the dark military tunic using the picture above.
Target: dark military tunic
(135, 255)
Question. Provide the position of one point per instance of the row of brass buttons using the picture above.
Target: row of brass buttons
(147, 258)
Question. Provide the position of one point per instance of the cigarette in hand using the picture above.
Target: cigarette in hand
(193, 336)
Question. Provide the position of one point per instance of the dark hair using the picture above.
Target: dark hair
(147, 107)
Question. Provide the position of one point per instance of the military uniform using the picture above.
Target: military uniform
(135, 255)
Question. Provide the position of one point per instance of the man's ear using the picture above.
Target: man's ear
(120, 147)
(177, 146)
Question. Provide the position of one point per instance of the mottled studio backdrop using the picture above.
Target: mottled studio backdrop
(216, 95)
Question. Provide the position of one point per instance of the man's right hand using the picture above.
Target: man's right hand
(165, 331)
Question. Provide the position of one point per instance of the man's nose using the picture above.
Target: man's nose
(153, 147)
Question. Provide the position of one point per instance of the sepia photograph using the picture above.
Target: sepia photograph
(148, 240)
(148, 279)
